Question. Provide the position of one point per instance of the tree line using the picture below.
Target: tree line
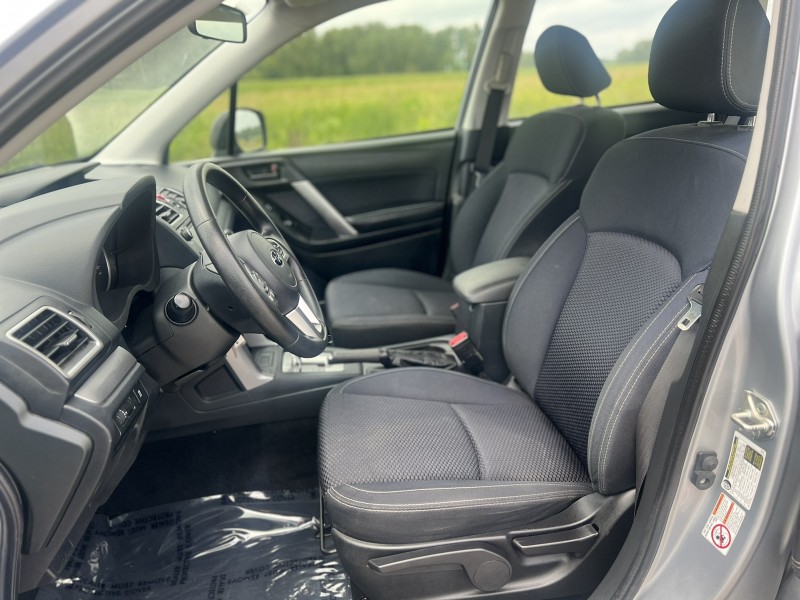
(371, 49)
(375, 48)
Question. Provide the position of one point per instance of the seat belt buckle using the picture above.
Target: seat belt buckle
(467, 353)
(477, 176)
(692, 315)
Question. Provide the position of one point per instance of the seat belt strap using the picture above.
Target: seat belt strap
(653, 406)
(491, 115)
(483, 153)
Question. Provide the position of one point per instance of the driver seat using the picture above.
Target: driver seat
(440, 484)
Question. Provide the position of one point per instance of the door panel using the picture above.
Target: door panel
(354, 206)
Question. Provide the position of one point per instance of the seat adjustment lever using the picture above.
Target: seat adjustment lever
(572, 541)
(487, 570)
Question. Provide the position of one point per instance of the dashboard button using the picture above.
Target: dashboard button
(139, 393)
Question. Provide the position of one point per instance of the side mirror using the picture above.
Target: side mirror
(249, 134)
(222, 23)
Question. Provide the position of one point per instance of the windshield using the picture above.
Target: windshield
(85, 129)
(102, 115)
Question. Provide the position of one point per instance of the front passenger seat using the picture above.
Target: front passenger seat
(440, 484)
(520, 203)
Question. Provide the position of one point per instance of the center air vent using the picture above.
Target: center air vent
(58, 338)
(166, 213)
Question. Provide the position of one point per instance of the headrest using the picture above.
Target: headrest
(708, 56)
(568, 65)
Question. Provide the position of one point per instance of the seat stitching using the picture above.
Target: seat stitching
(535, 261)
(467, 430)
(675, 297)
(640, 337)
(400, 508)
(604, 440)
(467, 503)
(526, 220)
(425, 319)
(619, 406)
(408, 370)
(525, 400)
(584, 130)
(462, 487)
(433, 509)
(417, 297)
(523, 397)
(722, 56)
(566, 487)
(695, 142)
(743, 103)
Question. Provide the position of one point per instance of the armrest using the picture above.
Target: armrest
(491, 282)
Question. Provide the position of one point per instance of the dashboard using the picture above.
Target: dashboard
(77, 263)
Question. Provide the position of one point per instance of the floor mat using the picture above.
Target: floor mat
(269, 456)
(248, 546)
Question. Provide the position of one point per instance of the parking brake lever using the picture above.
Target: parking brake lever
(395, 357)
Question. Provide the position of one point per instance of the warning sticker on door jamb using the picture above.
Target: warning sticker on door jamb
(724, 523)
(743, 471)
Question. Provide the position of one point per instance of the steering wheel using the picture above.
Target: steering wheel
(256, 265)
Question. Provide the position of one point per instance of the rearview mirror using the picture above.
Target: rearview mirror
(223, 23)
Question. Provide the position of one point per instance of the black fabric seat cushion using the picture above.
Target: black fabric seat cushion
(387, 306)
(415, 455)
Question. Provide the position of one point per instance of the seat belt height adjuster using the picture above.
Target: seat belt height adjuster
(692, 315)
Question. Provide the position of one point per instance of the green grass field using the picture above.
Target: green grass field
(307, 112)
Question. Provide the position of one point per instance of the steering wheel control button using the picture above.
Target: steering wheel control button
(260, 282)
(181, 309)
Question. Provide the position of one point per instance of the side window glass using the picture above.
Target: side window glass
(391, 68)
(620, 33)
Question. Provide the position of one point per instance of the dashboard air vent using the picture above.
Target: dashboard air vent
(58, 338)
(166, 213)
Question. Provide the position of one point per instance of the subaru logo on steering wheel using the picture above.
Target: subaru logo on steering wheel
(276, 258)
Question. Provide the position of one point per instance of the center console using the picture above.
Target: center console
(258, 381)
(483, 294)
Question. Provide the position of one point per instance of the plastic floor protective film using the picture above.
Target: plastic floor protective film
(248, 546)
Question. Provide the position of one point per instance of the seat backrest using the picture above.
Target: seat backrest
(548, 160)
(591, 321)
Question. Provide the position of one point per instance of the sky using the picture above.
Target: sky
(610, 25)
